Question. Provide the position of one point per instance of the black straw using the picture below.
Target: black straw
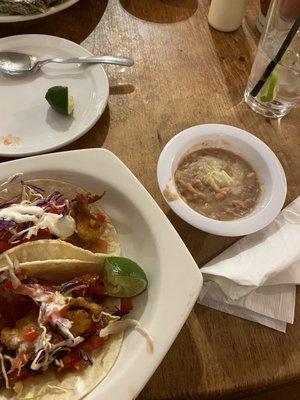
(277, 58)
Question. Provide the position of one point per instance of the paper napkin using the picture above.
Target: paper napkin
(256, 277)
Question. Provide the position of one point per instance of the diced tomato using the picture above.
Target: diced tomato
(96, 341)
(7, 286)
(79, 364)
(102, 244)
(63, 312)
(13, 307)
(89, 279)
(41, 234)
(54, 210)
(30, 335)
(55, 315)
(99, 290)
(92, 343)
(22, 274)
(18, 375)
(126, 304)
(73, 360)
(18, 362)
(5, 236)
(101, 218)
(91, 283)
(4, 245)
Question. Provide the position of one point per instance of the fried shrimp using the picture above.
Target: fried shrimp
(89, 227)
(81, 321)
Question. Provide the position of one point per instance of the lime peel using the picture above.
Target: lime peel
(269, 89)
(123, 277)
(59, 99)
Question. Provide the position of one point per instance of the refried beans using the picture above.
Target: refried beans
(217, 183)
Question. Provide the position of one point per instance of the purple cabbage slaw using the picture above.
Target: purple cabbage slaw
(33, 187)
(54, 200)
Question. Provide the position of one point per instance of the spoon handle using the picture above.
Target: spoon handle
(127, 62)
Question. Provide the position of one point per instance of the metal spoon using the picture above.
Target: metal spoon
(13, 63)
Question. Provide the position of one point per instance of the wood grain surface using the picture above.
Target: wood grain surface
(185, 74)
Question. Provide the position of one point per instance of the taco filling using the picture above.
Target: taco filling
(54, 326)
(33, 214)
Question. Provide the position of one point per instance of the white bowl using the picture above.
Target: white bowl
(147, 236)
(252, 149)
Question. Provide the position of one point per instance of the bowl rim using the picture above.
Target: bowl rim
(249, 224)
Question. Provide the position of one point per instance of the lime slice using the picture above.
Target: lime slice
(269, 89)
(123, 277)
(59, 99)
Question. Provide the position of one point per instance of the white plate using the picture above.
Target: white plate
(146, 236)
(28, 125)
(52, 10)
(252, 149)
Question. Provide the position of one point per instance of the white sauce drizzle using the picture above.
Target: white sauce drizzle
(58, 225)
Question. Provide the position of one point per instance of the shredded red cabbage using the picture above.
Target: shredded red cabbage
(6, 225)
(54, 196)
(56, 200)
(120, 313)
(51, 199)
(6, 203)
(71, 285)
(33, 187)
(85, 357)
(22, 227)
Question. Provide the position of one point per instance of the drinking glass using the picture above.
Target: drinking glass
(281, 90)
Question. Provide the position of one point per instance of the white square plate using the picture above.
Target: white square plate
(147, 237)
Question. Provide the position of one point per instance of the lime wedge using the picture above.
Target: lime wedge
(59, 99)
(123, 277)
(269, 89)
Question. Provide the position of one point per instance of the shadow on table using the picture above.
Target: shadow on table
(239, 350)
(75, 23)
(235, 57)
(160, 11)
(202, 245)
(96, 135)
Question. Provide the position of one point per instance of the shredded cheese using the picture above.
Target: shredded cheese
(16, 266)
(11, 179)
(4, 371)
(55, 387)
(32, 193)
(59, 363)
(15, 281)
(110, 317)
(114, 327)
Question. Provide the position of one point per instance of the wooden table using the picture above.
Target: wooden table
(186, 74)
